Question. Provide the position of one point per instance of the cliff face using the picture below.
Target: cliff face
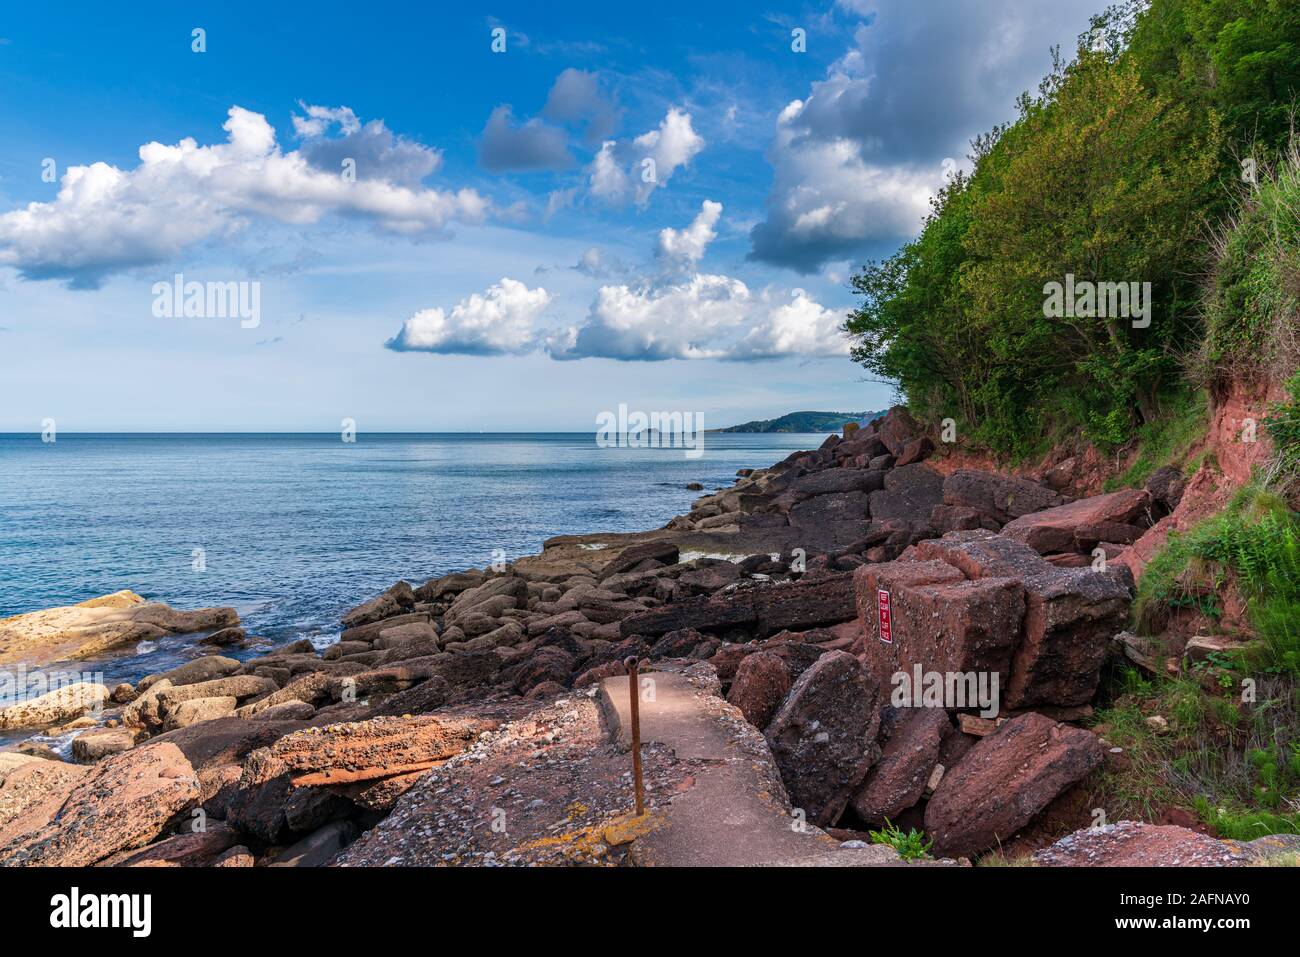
(1235, 444)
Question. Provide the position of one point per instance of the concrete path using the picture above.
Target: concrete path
(736, 813)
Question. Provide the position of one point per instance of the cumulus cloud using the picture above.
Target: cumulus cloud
(680, 313)
(704, 317)
(374, 151)
(856, 160)
(827, 201)
(578, 97)
(105, 220)
(506, 145)
(634, 170)
(501, 321)
(684, 248)
(320, 118)
(701, 317)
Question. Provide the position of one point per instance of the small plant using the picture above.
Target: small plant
(911, 846)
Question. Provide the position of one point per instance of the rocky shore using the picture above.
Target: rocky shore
(475, 717)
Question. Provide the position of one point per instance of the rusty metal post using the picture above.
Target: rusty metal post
(634, 689)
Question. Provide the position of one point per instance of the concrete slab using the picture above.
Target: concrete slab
(736, 812)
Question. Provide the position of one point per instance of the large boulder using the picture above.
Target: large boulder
(436, 589)
(634, 555)
(999, 497)
(794, 606)
(909, 755)
(823, 735)
(488, 600)
(62, 704)
(194, 710)
(123, 802)
(1133, 844)
(427, 696)
(98, 743)
(99, 625)
(1070, 615)
(398, 599)
(1005, 780)
(371, 631)
(1056, 529)
(761, 683)
(805, 604)
(939, 621)
(830, 510)
(314, 688)
(192, 848)
(155, 706)
(207, 668)
(27, 780)
(828, 482)
(1166, 486)
(704, 613)
(896, 429)
(275, 794)
(910, 494)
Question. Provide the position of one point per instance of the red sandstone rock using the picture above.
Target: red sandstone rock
(1070, 616)
(999, 497)
(1005, 780)
(1131, 844)
(899, 778)
(277, 781)
(823, 736)
(948, 625)
(759, 688)
(1055, 529)
(123, 802)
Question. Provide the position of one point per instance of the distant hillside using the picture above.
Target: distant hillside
(803, 422)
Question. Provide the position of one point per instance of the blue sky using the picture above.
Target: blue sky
(497, 256)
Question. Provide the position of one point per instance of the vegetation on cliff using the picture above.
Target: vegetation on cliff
(1163, 151)
(803, 422)
(1126, 167)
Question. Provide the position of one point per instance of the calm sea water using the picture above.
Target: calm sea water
(297, 528)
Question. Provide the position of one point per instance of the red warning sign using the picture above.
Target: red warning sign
(884, 617)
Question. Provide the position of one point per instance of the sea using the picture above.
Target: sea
(294, 529)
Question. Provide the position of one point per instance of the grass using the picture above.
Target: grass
(1254, 546)
(999, 859)
(1251, 297)
(1230, 755)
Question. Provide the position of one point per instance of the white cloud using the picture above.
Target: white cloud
(371, 149)
(635, 170)
(105, 220)
(685, 248)
(501, 321)
(319, 119)
(827, 199)
(609, 181)
(704, 317)
(857, 159)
